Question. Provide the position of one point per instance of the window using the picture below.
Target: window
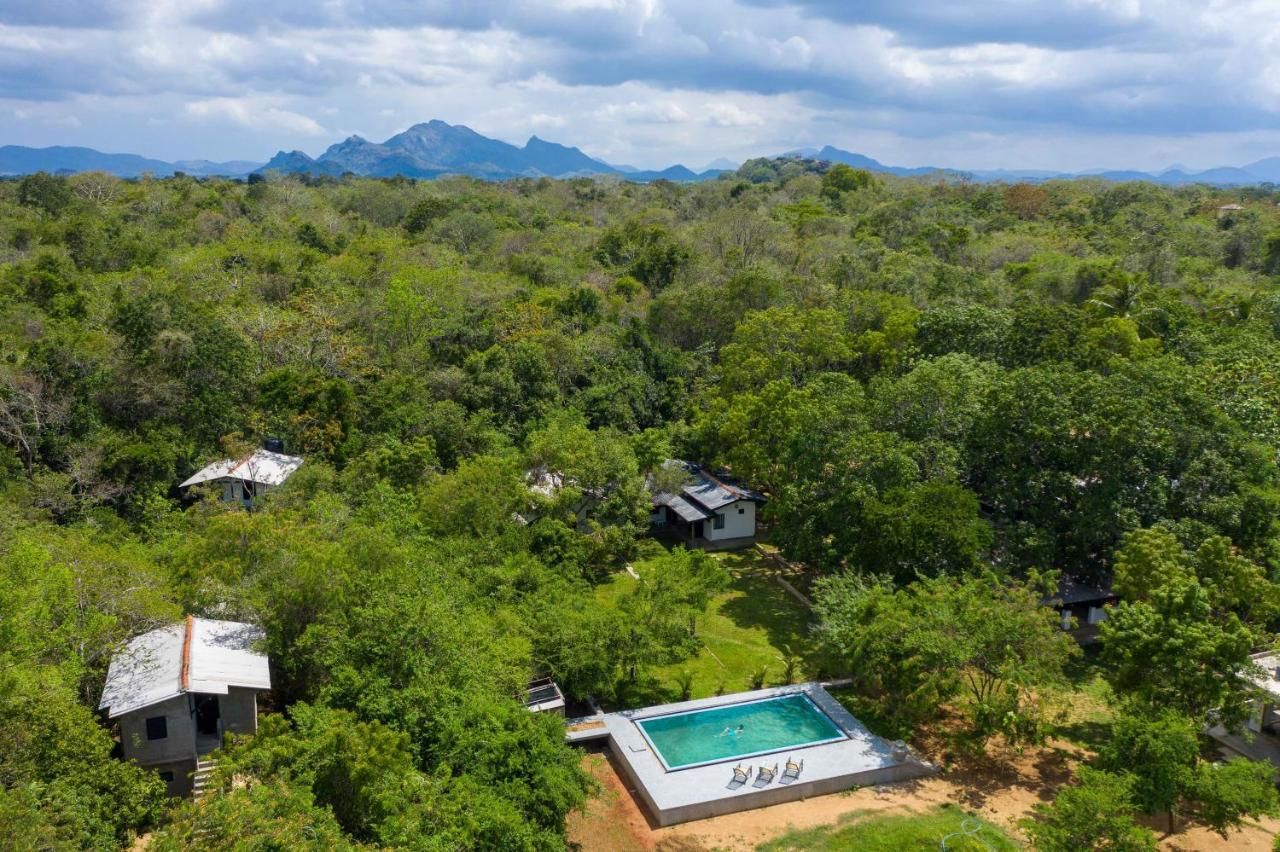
(157, 728)
(166, 777)
(718, 523)
(742, 510)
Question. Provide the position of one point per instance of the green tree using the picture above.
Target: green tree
(1094, 813)
(662, 610)
(1203, 662)
(1161, 752)
(984, 642)
(257, 818)
(48, 193)
(783, 344)
(1226, 793)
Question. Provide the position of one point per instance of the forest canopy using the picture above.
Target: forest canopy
(948, 391)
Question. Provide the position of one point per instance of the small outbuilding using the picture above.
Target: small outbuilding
(175, 691)
(707, 509)
(245, 479)
(1081, 607)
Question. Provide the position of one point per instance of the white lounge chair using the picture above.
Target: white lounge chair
(741, 774)
(766, 774)
(793, 769)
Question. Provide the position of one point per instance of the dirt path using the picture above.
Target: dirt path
(1002, 792)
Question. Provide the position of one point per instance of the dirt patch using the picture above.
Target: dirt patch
(1002, 788)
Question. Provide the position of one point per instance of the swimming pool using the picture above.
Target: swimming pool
(734, 731)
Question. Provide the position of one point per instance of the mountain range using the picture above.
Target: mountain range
(436, 148)
(1261, 171)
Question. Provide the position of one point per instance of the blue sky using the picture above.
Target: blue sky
(1068, 84)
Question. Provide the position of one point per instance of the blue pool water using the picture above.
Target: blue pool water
(739, 730)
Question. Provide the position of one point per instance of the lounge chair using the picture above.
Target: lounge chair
(793, 769)
(766, 774)
(741, 774)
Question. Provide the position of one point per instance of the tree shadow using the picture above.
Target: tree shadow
(764, 604)
(645, 691)
(1091, 734)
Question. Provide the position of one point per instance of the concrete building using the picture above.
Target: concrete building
(1081, 608)
(706, 510)
(1261, 738)
(245, 479)
(175, 691)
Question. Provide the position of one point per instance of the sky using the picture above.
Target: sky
(1055, 84)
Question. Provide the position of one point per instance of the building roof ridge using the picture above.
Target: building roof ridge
(186, 653)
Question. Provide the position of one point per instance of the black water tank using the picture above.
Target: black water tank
(273, 445)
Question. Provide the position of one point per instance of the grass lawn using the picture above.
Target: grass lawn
(898, 832)
(744, 628)
(1081, 710)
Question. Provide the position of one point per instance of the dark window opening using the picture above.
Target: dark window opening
(718, 523)
(741, 510)
(157, 728)
(207, 714)
(166, 777)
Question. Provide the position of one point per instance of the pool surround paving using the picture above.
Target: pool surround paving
(680, 794)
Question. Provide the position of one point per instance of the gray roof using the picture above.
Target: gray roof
(1071, 593)
(703, 493)
(261, 466)
(197, 655)
(682, 507)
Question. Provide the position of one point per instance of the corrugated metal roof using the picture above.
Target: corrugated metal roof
(150, 668)
(261, 466)
(705, 492)
(682, 507)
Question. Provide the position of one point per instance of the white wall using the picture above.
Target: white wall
(737, 524)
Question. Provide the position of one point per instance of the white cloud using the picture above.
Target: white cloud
(645, 112)
(732, 115)
(654, 81)
(248, 113)
(542, 119)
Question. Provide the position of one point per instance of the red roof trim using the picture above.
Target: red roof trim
(186, 654)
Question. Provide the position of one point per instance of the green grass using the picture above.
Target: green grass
(898, 833)
(744, 628)
(1082, 710)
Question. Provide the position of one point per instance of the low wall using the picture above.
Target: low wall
(778, 793)
(699, 792)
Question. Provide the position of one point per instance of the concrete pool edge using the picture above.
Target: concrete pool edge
(699, 792)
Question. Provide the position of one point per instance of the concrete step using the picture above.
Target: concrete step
(200, 778)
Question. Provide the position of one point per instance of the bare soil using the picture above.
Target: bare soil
(1001, 787)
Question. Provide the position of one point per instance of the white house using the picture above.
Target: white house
(708, 510)
(176, 690)
(249, 477)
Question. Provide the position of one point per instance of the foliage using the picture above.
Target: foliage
(258, 818)
(915, 831)
(930, 381)
(1203, 663)
(982, 640)
(1094, 813)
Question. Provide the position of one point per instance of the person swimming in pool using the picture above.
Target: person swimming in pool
(731, 732)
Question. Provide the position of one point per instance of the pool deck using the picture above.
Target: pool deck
(680, 795)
